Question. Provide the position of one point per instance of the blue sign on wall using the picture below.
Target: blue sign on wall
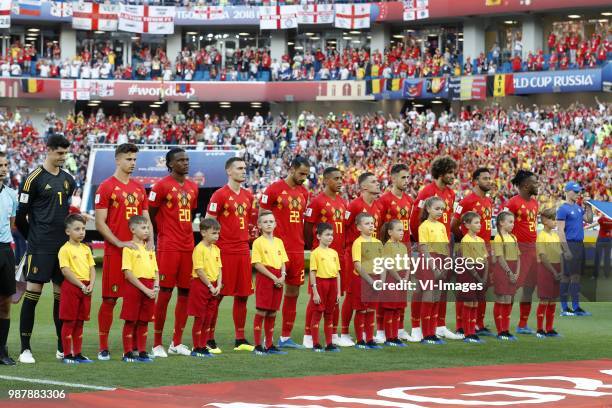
(557, 81)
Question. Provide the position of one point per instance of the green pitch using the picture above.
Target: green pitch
(583, 338)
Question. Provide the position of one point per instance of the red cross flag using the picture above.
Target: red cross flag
(352, 16)
(416, 9)
(316, 14)
(5, 13)
(147, 19)
(278, 17)
(207, 12)
(94, 16)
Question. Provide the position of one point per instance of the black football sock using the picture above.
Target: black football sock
(57, 321)
(26, 320)
(4, 331)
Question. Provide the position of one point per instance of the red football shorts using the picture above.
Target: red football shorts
(328, 292)
(136, 305)
(295, 269)
(267, 296)
(175, 268)
(74, 304)
(548, 286)
(237, 275)
(529, 266)
(201, 302)
(501, 282)
(113, 278)
(362, 295)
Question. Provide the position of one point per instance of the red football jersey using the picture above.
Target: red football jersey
(355, 207)
(394, 208)
(122, 202)
(331, 210)
(233, 212)
(174, 203)
(481, 205)
(431, 190)
(525, 218)
(288, 204)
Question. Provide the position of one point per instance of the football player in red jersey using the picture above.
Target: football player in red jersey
(118, 199)
(443, 173)
(366, 202)
(328, 207)
(525, 208)
(231, 205)
(478, 202)
(395, 204)
(172, 201)
(287, 199)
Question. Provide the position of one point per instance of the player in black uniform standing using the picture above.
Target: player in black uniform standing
(44, 203)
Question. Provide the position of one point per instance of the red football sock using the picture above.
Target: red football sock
(105, 320)
(142, 330)
(257, 326)
(308, 319)
(161, 308)
(507, 313)
(525, 309)
(269, 327)
(482, 309)
(77, 338)
(389, 320)
(336, 318)
(380, 318)
(196, 332)
(358, 322)
(314, 326)
(180, 319)
(400, 318)
(415, 313)
(473, 318)
(426, 317)
(397, 318)
(369, 325)
(540, 313)
(441, 319)
(347, 313)
(289, 312)
(128, 336)
(466, 313)
(213, 322)
(328, 328)
(550, 316)
(498, 316)
(205, 335)
(240, 312)
(459, 322)
(67, 333)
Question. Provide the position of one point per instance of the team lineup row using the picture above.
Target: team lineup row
(290, 221)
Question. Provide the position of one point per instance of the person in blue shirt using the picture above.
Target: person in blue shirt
(8, 209)
(570, 227)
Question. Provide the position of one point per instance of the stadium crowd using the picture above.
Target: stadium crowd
(407, 59)
(557, 144)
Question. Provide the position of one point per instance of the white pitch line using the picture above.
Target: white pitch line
(51, 382)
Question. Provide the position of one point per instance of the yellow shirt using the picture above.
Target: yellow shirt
(269, 253)
(473, 248)
(325, 262)
(78, 258)
(549, 244)
(508, 248)
(140, 261)
(433, 233)
(208, 259)
(392, 249)
(366, 253)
